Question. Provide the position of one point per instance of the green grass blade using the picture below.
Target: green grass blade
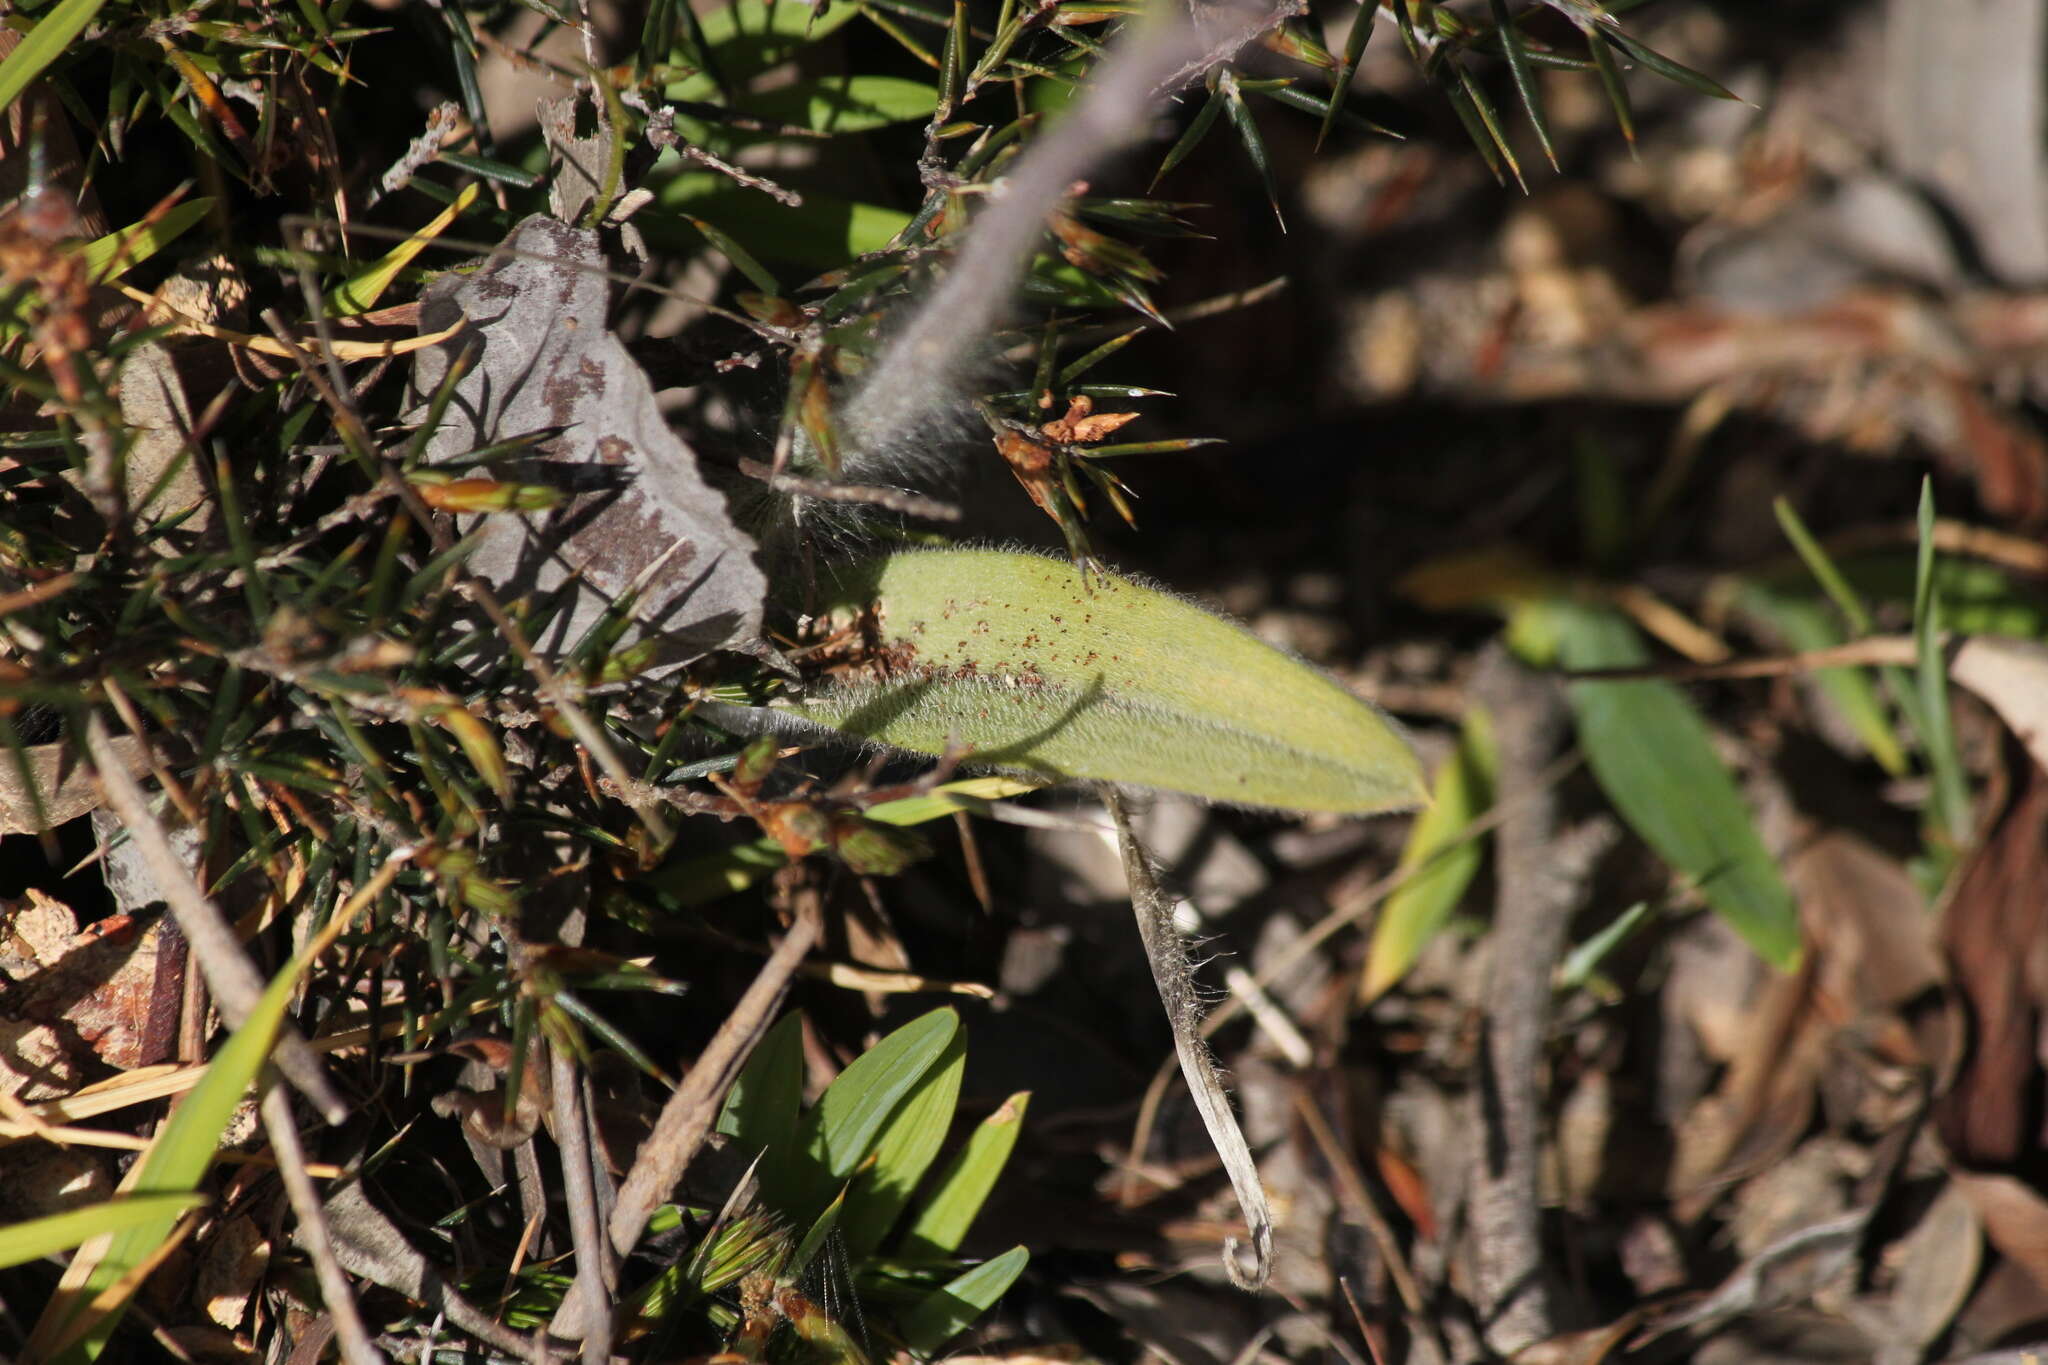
(1802, 623)
(1197, 129)
(1354, 48)
(1582, 962)
(1655, 760)
(1937, 732)
(949, 1311)
(44, 44)
(813, 1241)
(1445, 857)
(1489, 122)
(108, 256)
(40, 1237)
(1822, 568)
(904, 1152)
(360, 292)
(743, 260)
(1254, 144)
(1670, 70)
(956, 1199)
(1611, 81)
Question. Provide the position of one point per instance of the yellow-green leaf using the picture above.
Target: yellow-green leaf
(359, 292)
(949, 1311)
(108, 256)
(40, 1237)
(964, 1186)
(1442, 859)
(44, 44)
(1044, 673)
(905, 1150)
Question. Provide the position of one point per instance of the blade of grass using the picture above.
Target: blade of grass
(1670, 70)
(45, 43)
(40, 1237)
(360, 292)
(183, 1151)
(1655, 761)
(1354, 48)
(1611, 81)
(1198, 128)
(1254, 145)
(1937, 733)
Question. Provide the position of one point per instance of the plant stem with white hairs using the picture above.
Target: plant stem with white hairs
(922, 372)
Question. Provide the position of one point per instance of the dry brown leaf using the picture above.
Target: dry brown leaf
(2012, 676)
(1870, 950)
(1937, 1265)
(67, 786)
(96, 987)
(2015, 1219)
(231, 1266)
(1996, 937)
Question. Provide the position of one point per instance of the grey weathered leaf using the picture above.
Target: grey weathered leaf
(641, 514)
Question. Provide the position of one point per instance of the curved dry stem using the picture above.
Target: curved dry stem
(1173, 973)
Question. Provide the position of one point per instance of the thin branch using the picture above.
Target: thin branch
(686, 1119)
(283, 1131)
(922, 370)
(592, 1255)
(232, 977)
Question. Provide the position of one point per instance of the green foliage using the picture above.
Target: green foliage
(45, 43)
(1655, 761)
(845, 1171)
(1043, 668)
(1441, 858)
(52, 1233)
(271, 584)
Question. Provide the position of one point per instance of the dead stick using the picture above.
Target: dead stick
(686, 1119)
(1541, 879)
(229, 973)
(592, 1281)
(282, 1128)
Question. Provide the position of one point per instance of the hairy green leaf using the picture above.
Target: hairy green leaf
(1043, 671)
